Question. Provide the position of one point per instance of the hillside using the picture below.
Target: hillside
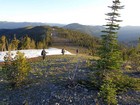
(91, 30)
(126, 34)
(129, 33)
(54, 36)
(49, 83)
(63, 79)
(37, 33)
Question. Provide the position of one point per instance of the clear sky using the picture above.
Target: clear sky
(87, 12)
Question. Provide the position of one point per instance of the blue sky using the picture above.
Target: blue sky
(88, 12)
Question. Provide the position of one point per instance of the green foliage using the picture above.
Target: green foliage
(32, 44)
(135, 61)
(135, 58)
(3, 43)
(14, 44)
(40, 45)
(35, 35)
(110, 57)
(132, 55)
(109, 52)
(43, 35)
(25, 44)
(33, 32)
(127, 52)
(48, 40)
(16, 70)
(108, 93)
(48, 37)
(112, 83)
(122, 82)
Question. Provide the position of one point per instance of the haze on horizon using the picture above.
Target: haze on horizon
(87, 12)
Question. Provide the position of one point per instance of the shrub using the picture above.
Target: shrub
(108, 93)
(135, 61)
(111, 83)
(17, 70)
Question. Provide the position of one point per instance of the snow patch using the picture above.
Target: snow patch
(34, 53)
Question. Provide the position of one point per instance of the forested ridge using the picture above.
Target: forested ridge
(42, 36)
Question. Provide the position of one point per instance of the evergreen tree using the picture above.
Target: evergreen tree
(16, 69)
(109, 53)
(3, 43)
(48, 39)
(110, 57)
(26, 43)
(14, 44)
(32, 45)
(40, 45)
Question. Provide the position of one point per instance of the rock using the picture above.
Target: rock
(70, 100)
(1, 80)
(120, 97)
(57, 104)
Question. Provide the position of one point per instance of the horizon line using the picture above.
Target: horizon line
(61, 23)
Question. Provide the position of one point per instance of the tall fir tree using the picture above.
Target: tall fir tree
(108, 52)
(110, 57)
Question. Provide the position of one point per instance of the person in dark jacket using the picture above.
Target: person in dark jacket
(63, 51)
(77, 51)
(43, 53)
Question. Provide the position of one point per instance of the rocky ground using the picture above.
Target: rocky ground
(53, 82)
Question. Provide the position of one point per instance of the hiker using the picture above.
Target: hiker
(63, 51)
(43, 53)
(77, 51)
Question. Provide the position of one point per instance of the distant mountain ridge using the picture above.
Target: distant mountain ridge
(126, 33)
(91, 30)
(13, 25)
(129, 33)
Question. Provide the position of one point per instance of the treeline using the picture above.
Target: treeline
(25, 38)
(25, 42)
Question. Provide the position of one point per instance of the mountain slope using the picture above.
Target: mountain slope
(126, 34)
(35, 33)
(91, 30)
(55, 36)
(129, 33)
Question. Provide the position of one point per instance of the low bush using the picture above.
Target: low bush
(16, 70)
(112, 83)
